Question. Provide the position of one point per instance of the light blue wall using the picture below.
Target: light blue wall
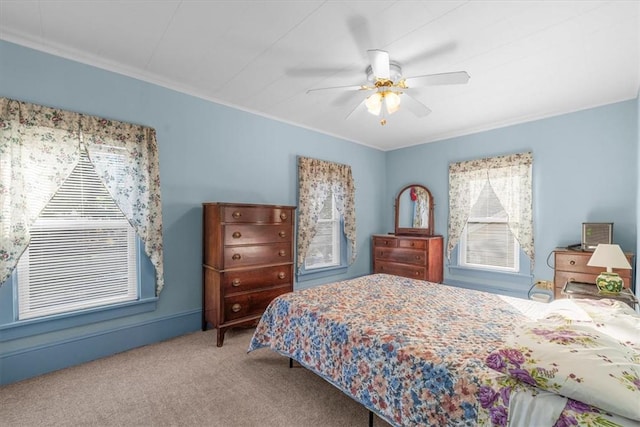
(585, 170)
(208, 152)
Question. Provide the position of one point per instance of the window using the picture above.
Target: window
(82, 252)
(486, 240)
(490, 212)
(81, 219)
(325, 248)
(326, 218)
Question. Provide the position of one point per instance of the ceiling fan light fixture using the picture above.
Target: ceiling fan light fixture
(374, 103)
(387, 84)
(392, 101)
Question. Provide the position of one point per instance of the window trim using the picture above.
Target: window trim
(11, 328)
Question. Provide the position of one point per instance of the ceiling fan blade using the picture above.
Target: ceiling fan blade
(379, 63)
(354, 87)
(321, 71)
(346, 98)
(454, 78)
(357, 107)
(413, 105)
(360, 32)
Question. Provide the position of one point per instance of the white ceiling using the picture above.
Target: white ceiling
(526, 59)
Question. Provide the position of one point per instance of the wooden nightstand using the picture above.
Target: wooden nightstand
(571, 266)
(590, 291)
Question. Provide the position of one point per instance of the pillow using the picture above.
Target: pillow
(576, 361)
(568, 310)
(613, 318)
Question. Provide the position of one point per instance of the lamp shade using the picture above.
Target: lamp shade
(374, 103)
(392, 101)
(610, 256)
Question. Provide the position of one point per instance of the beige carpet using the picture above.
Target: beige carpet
(186, 381)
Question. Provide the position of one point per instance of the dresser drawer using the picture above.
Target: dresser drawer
(408, 256)
(257, 278)
(577, 261)
(405, 270)
(242, 256)
(257, 214)
(251, 303)
(385, 242)
(247, 234)
(412, 243)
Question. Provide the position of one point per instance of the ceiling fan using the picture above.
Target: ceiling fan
(387, 84)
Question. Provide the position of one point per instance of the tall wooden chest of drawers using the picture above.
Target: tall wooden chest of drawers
(247, 261)
(408, 256)
(571, 265)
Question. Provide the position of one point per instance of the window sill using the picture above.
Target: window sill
(42, 325)
(319, 273)
(504, 283)
(470, 271)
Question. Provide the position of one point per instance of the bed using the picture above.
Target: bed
(419, 353)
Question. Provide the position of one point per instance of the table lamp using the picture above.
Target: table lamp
(609, 256)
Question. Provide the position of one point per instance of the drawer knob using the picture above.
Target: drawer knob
(282, 252)
(281, 275)
(236, 307)
(236, 214)
(417, 273)
(572, 262)
(412, 244)
(283, 216)
(235, 283)
(236, 257)
(386, 242)
(236, 235)
(418, 257)
(282, 234)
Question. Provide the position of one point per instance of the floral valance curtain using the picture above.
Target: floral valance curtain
(317, 179)
(39, 148)
(510, 178)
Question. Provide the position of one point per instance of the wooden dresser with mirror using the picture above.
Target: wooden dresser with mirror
(413, 250)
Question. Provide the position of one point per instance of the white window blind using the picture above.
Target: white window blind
(487, 241)
(324, 249)
(82, 252)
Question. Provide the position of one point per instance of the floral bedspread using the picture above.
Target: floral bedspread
(411, 351)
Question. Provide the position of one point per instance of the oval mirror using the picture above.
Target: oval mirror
(414, 211)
